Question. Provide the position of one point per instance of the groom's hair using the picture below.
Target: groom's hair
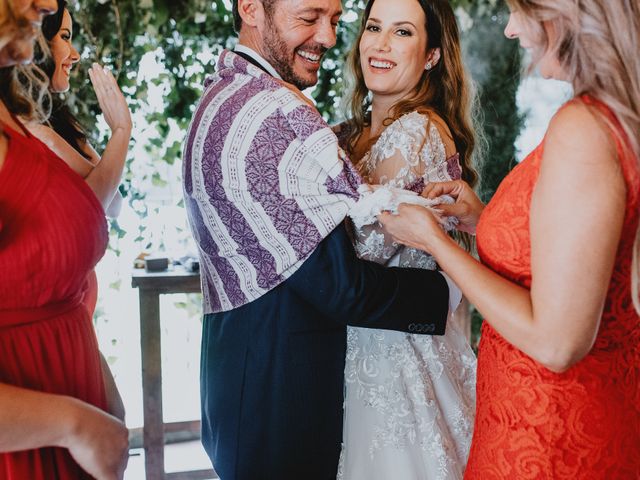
(237, 20)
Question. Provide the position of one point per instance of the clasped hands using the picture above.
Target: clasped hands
(418, 227)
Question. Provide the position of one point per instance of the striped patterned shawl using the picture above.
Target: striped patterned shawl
(265, 181)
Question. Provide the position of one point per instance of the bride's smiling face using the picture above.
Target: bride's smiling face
(393, 47)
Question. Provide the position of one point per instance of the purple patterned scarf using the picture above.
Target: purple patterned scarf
(265, 181)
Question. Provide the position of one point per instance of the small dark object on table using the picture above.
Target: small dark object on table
(156, 264)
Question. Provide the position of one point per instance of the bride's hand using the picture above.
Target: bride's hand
(467, 207)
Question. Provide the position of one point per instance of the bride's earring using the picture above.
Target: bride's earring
(428, 66)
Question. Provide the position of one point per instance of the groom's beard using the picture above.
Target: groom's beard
(283, 60)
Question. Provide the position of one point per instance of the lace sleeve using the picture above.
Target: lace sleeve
(409, 150)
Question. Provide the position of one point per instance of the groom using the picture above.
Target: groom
(267, 188)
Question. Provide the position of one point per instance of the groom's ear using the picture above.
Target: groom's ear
(433, 57)
(250, 11)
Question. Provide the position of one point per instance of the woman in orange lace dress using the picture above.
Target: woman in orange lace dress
(558, 390)
(53, 423)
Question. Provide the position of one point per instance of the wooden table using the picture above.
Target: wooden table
(151, 286)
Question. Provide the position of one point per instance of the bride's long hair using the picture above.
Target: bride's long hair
(597, 44)
(445, 90)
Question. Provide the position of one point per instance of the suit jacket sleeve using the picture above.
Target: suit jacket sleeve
(365, 294)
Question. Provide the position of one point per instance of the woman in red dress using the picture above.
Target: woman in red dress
(64, 135)
(52, 399)
(558, 390)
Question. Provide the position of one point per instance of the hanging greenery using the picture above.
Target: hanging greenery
(495, 64)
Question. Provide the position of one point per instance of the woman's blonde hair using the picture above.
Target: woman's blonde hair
(12, 26)
(25, 92)
(597, 44)
(445, 90)
(9, 25)
(25, 88)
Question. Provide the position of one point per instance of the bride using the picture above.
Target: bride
(409, 399)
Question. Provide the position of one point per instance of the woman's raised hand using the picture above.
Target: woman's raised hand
(467, 207)
(112, 102)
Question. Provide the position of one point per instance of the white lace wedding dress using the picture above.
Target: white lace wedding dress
(409, 399)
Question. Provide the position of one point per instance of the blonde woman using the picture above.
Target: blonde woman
(559, 360)
(53, 422)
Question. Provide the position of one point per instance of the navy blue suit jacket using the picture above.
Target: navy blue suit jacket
(272, 370)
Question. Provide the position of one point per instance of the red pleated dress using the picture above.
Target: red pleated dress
(531, 423)
(52, 234)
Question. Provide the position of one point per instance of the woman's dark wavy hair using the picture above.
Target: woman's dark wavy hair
(62, 120)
